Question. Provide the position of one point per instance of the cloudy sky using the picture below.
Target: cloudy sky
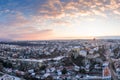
(58, 19)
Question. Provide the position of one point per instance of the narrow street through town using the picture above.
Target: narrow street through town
(113, 75)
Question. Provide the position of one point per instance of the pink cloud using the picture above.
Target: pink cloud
(62, 23)
(38, 35)
(75, 7)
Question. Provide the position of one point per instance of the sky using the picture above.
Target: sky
(58, 19)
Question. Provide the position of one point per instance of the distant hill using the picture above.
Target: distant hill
(108, 37)
(5, 39)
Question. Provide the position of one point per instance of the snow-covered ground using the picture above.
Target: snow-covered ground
(39, 60)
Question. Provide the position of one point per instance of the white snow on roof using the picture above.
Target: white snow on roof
(9, 77)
